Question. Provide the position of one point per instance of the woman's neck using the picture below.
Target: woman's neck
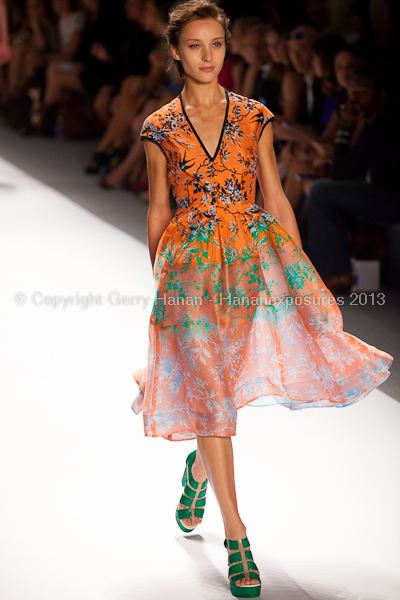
(202, 94)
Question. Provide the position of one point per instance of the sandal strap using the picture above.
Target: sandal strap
(234, 544)
(192, 493)
(189, 501)
(251, 575)
(241, 563)
(186, 513)
(236, 557)
(238, 568)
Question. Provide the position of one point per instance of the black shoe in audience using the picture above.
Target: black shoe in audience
(98, 161)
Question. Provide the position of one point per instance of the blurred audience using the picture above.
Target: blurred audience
(5, 49)
(364, 178)
(330, 78)
(134, 92)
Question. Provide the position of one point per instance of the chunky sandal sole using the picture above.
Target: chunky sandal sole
(237, 570)
(194, 499)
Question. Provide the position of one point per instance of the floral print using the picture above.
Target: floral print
(240, 315)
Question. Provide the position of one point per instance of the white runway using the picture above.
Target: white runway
(87, 502)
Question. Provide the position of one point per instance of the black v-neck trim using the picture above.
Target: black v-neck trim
(197, 135)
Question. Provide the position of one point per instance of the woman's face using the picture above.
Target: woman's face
(276, 47)
(201, 46)
(254, 50)
(344, 64)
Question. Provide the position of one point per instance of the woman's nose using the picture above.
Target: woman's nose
(207, 55)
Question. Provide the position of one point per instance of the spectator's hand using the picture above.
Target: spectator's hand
(323, 150)
(5, 52)
(159, 59)
(100, 52)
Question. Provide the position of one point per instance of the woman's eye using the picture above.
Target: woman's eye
(196, 45)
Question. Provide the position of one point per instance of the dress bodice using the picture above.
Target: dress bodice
(198, 179)
(210, 191)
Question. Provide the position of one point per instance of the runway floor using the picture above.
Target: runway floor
(88, 503)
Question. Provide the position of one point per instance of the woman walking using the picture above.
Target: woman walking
(240, 317)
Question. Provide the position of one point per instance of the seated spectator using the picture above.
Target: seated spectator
(345, 62)
(247, 45)
(32, 45)
(64, 76)
(71, 23)
(135, 91)
(277, 85)
(325, 49)
(132, 171)
(301, 51)
(125, 47)
(364, 178)
(321, 151)
(301, 161)
(5, 49)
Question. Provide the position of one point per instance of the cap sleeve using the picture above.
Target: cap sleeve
(152, 129)
(265, 116)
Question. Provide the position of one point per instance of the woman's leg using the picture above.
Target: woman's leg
(214, 461)
(59, 81)
(132, 165)
(102, 102)
(118, 126)
(15, 68)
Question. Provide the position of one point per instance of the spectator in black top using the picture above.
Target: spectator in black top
(127, 47)
(277, 85)
(301, 52)
(134, 92)
(364, 181)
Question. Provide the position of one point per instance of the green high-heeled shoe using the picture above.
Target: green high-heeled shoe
(197, 496)
(241, 564)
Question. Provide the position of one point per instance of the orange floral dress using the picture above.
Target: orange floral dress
(240, 315)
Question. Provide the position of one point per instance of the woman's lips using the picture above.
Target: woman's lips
(206, 68)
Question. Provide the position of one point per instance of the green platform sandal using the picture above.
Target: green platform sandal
(194, 499)
(241, 565)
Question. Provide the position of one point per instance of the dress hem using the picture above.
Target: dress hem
(310, 404)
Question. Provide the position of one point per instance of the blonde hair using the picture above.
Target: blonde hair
(184, 13)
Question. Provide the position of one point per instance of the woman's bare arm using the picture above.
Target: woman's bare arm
(275, 201)
(159, 213)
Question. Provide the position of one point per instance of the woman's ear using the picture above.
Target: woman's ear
(175, 53)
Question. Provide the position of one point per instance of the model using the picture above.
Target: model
(240, 317)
